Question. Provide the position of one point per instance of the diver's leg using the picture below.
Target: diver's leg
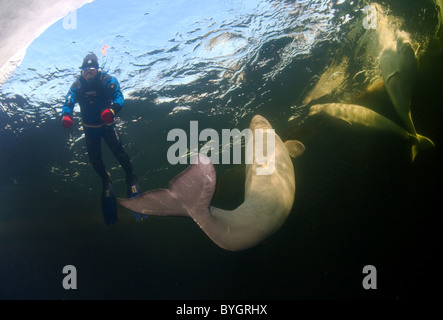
(94, 148)
(108, 201)
(114, 143)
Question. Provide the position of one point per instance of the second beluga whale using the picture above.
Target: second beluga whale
(398, 66)
(388, 61)
(267, 203)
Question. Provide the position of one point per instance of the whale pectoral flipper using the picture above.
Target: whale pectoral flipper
(189, 192)
(295, 148)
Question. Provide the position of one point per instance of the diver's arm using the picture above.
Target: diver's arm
(113, 88)
(68, 107)
(70, 101)
(118, 100)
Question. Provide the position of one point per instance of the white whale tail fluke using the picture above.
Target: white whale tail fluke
(422, 143)
(189, 193)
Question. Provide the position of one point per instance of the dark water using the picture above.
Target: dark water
(359, 199)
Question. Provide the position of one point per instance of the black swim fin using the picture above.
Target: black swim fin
(134, 191)
(109, 205)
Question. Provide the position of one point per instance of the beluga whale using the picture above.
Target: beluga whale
(398, 66)
(387, 61)
(267, 202)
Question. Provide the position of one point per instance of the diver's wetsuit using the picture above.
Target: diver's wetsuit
(94, 97)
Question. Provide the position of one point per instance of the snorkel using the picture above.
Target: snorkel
(105, 55)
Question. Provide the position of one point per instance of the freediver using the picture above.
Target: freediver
(100, 99)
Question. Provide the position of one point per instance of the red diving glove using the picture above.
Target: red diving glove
(108, 115)
(67, 121)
